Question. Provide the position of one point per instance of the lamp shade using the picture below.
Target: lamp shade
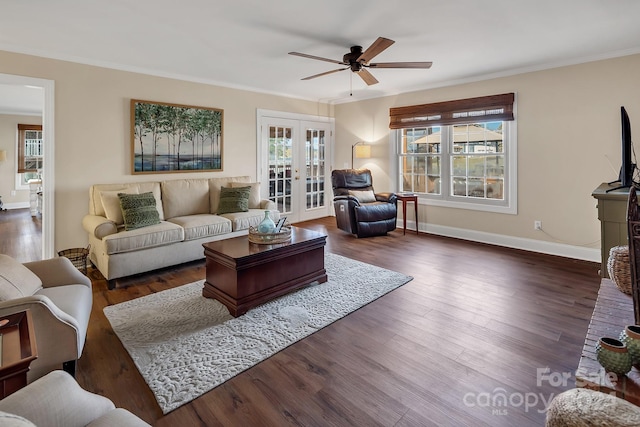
(363, 151)
(3, 155)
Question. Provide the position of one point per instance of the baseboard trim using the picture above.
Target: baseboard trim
(19, 205)
(550, 248)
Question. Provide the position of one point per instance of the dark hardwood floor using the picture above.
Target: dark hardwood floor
(21, 235)
(460, 345)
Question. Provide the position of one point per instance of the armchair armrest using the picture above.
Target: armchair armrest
(57, 272)
(56, 400)
(59, 337)
(99, 226)
(266, 204)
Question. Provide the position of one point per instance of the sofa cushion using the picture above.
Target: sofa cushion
(111, 204)
(95, 202)
(254, 195)
(234, 200)
(16, 280)
(251, 218)
(161, 234)
(138, 210)
(182, 197)
(203, 225)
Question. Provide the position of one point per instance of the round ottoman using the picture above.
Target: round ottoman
(581, 407)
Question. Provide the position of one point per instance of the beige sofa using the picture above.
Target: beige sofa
(187, 210)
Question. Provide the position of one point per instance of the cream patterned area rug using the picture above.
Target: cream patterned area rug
(185, 345)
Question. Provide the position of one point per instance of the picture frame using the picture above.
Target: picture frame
(167, 138)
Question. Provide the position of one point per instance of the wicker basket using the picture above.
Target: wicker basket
(78, 257)
(619, 269)
(282, 236)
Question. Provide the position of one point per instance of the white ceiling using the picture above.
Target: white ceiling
(244, 43)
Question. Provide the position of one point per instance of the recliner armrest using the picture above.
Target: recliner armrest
(348, 198)
(386, 197)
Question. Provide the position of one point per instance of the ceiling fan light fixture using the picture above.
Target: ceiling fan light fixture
(356, 60)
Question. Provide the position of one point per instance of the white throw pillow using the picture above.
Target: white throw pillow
(111, 204)
(16, 280)
(254, 195)
(366, 196)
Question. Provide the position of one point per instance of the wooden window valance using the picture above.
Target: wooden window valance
(471, 110)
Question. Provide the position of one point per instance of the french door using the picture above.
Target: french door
(294, 163)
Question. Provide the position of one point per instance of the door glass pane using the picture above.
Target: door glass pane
(280, 159)
(315, 168)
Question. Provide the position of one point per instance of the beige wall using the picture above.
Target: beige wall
(92, 129)
(568, 138)
(568, 123)
(8, 134)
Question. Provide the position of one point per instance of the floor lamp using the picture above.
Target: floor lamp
(361, 151)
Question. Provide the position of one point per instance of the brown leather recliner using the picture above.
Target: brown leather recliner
(359, 210)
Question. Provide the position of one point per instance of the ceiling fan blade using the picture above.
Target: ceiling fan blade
(367, 77)
(324, 74)
(401, 65)
(375, 49)
(319, 58)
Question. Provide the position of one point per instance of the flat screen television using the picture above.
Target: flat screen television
(627, 168)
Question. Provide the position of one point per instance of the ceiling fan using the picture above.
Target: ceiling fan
(358, 61)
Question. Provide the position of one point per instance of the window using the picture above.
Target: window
(459, 153)
(30, 152)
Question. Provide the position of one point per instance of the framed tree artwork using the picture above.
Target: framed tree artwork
(175, 138)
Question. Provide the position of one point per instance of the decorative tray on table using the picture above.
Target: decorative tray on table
(282, 236)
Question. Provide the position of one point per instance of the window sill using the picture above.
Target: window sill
(483, 207)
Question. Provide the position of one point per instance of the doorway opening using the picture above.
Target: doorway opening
(12, 83)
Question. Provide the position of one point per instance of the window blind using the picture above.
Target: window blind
(23, 151)
(476, 110)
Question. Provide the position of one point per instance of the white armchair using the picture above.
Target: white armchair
(57, 400)
(60, 300)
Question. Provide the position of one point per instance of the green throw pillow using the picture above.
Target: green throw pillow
(234, 199)
(138, 210)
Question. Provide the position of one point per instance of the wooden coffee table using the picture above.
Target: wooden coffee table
(243, 275)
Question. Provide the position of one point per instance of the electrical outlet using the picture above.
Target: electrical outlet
(13, 192)
(537, 225)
